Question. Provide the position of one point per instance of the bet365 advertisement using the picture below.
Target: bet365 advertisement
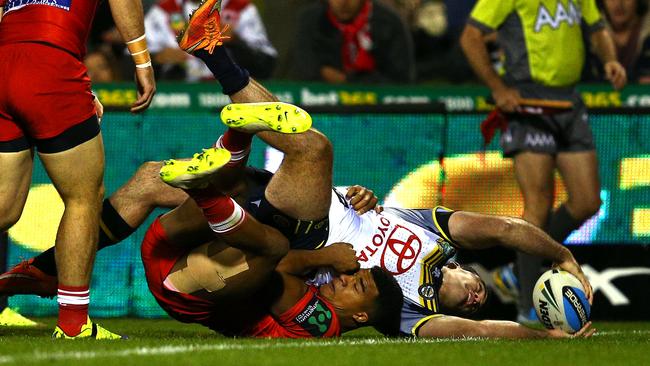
(396, 155)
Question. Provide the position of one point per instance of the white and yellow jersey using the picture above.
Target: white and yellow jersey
(410, 244)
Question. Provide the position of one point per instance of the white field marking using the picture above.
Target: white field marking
(619, 332)
(171, 350)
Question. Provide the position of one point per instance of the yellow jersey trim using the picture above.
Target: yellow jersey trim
(420, 323)
(435, 222)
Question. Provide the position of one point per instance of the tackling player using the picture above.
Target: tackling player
(46, 103)
(232, 285)
(302, 189)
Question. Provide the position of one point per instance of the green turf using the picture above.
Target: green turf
(165, 342)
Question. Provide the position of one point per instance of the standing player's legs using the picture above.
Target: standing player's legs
(65, 131)
(579, 172)
(534, 173)
(77, 174)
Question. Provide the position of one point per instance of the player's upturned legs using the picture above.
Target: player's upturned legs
(301, 188)
(77, 174)
(224, 216)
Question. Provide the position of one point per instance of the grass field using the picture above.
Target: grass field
(166, 342)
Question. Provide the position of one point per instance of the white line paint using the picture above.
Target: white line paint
(250, 345)
(170, 350)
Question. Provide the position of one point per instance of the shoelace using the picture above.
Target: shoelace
(214, 36)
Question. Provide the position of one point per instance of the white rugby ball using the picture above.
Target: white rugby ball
(560, 301)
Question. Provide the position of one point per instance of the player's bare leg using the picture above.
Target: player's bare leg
(122, 214)
(77, 174)
(579, 172)
(256, 248)
(534, 173)
(302, 185)
(14, 185)
(143, 193)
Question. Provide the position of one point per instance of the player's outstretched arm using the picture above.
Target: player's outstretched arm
(477, 231)
(129, 18)
(455, 327)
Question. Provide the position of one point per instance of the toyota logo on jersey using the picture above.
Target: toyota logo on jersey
(401, 250)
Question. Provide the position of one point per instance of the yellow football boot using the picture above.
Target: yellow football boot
(11, 318)
(196, 172)
(88, 330)
(274, 116)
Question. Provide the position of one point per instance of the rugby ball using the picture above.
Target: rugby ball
(560, 301)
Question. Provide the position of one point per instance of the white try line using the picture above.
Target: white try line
(250, 345)
(172, 350)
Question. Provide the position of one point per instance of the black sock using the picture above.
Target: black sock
(561, 224)
(112, 230)
(528, 271)
(231, 76)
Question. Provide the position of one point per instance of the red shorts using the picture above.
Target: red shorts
(44, 92)
(159, 257)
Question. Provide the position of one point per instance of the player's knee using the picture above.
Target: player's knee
(311, 143)
(319, 145)
(9, 216)
(148, 169)
(147, 179)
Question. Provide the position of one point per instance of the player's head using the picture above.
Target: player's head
(368, 297)
(462, 291)
(345, 10)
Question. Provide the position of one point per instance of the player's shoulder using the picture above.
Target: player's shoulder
(316, 316)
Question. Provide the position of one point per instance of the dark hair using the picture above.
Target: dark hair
(388, 304)
(641, 7)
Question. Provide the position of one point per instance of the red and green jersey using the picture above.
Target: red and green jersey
(311, 316)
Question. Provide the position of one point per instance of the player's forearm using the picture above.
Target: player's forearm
(478, 231)
(509, 330)
(129, 18)
(473, 46)
(300, 262)
(1, 12)
(603, 44)
(522, 236)
(454, 327)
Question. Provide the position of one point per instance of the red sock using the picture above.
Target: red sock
(238, 143)
(222, 212)
(73, 308)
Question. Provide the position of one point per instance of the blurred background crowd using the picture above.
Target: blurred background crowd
(412, 41)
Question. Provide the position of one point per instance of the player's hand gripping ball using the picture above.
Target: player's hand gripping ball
(560, 301)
